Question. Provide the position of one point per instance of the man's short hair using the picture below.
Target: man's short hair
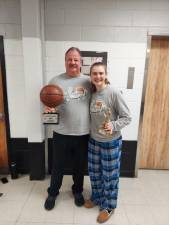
(73, 49)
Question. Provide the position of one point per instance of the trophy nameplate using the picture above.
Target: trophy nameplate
(50, 118)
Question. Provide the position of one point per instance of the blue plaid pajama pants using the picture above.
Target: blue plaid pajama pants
(104, 171)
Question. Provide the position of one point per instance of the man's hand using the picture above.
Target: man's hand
(49, 110)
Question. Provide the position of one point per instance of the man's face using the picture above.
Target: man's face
(73, 63)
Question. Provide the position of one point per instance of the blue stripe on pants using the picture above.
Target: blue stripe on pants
(104, 171)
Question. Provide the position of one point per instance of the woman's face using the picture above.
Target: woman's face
(98, 76)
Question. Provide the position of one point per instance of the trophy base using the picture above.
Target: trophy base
(50, 118)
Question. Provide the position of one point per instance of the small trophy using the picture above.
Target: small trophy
(51, 117)
(51, 96)
(107, 114)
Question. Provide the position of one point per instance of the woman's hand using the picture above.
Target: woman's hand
(108, 127)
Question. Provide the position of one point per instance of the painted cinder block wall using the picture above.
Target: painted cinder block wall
(119, 27)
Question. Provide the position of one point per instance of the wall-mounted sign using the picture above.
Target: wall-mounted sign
(90, 57)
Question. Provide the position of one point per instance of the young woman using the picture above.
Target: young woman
(109, 114)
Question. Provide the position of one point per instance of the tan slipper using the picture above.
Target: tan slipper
(104, 215)
(89, 204)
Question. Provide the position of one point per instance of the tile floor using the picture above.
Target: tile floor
(142, 201)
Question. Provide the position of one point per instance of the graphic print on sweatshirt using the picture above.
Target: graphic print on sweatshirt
(75, 93)
(101, 114)
(98, 106)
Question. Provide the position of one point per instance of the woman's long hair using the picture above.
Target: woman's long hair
(105, 69)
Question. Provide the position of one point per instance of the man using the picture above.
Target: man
(70, 136)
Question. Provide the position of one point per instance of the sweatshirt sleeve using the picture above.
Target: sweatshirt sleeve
(122, 111)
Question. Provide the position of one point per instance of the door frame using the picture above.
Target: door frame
(150, 35)
(6, 111)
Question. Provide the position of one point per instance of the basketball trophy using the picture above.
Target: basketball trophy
(51, 96)
(107, 113)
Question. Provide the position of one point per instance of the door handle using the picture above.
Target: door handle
(2, 116)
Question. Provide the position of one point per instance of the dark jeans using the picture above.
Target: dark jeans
(74, 148)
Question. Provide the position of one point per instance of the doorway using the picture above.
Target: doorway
(154, 136)
(4, 119)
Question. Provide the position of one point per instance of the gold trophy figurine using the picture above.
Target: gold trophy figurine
(107, 114)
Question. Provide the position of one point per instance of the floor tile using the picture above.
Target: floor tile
(161, 214)
(32, 213)
(142, 200)
(16, 191)
(29, 223)
(133, 196)
(7, 223)
(63, 211)
(9, 210)
(139, 215)
(48, 223)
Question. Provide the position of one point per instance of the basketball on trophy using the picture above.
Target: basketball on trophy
(51, 95)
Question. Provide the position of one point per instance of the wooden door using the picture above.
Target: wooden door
(3, 139)
(154, 144)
